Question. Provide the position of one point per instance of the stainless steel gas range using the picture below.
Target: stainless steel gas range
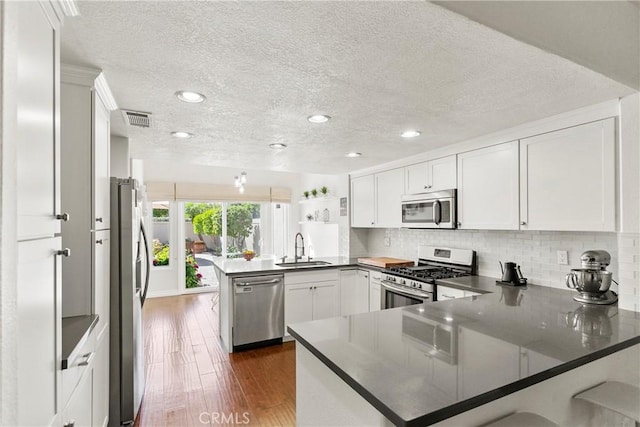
(403, 286)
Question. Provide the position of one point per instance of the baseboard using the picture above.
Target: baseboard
(160, 294)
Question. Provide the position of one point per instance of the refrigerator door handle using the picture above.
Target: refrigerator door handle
(148, 272)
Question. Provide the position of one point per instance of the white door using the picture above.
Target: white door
(442, 173)
(326, 300)
(362, 201)
(567, 179)
(488, 190)
(101, 165)
(298, 303)
(389, 191)
(36, 110)
(38, 302)
(416, 178)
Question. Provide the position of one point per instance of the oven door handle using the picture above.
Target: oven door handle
(401, 291)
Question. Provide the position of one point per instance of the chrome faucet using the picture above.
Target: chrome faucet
(295, 243)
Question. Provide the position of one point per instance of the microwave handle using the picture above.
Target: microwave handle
(437, 213)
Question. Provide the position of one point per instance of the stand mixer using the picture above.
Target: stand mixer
(592, 280)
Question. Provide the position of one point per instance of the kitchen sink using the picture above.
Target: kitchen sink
(302, 263)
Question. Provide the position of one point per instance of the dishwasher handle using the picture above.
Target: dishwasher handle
(270, 282)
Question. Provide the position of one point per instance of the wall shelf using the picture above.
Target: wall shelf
(317, 199)
(318, 222)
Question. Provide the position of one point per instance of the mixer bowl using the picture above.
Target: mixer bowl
(589, 281)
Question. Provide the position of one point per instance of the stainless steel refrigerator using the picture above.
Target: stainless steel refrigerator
(130, 262)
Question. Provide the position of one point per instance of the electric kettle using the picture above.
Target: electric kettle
(511, 274)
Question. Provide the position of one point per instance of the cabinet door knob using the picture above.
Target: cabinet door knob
(99, 241)
(63, 217)
(523, 223)
(426, 186)
(64, 252)
(459, 224)
(71, 423)
(99, 219)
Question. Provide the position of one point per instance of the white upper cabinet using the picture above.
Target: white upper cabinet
(101, 155)
(37, 118)
(389, 190)
(375, 199)
(434, 175)
(567, 179)
(488, 188)
(363, 201)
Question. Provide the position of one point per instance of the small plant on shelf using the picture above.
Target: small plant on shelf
(314, 192)
(306, 194)
(324, 190)
(309, 217)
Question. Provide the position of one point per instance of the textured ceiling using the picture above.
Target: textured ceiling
(376, 67)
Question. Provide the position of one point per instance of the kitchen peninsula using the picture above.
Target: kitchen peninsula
(511, 350)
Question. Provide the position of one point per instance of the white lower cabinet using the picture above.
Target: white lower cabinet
(38, 333)
(444, 293)
(311, 296)
(375, 291)
(78, 412)
(354, 291)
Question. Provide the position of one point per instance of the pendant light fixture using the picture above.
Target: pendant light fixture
(240, 181)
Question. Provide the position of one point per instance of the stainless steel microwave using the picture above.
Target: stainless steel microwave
(430, 210)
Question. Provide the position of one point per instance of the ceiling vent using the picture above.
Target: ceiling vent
(137, 118)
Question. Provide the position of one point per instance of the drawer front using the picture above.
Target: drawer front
(444, 293)
(311, 277)
(79, 363)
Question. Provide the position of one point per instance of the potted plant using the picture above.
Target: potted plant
(324, 190)
(198, 247)
(314, 192)
(309, 217)
(306, 194)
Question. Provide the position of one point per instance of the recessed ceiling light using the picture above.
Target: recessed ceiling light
(410, 133)
(181, 134)
(191, 97)
(353, 154)
(278, 146)
(318, 118)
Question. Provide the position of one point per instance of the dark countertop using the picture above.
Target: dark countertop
(381, 355)
(241, 267)
(75, 331)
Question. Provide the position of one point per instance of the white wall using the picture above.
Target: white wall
(327, 240)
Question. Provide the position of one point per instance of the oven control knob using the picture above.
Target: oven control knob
(420, 286)
(403, 282)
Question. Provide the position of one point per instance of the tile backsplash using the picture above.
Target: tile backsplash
(534, 251)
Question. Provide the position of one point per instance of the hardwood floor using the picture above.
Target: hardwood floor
(192, 381)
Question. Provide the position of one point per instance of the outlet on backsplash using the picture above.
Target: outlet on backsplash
(387, 241)
(563, 257)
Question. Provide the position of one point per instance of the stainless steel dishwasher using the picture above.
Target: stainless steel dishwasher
(258, 310)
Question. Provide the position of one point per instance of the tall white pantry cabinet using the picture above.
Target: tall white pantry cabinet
(39, 251)
(86, 103)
